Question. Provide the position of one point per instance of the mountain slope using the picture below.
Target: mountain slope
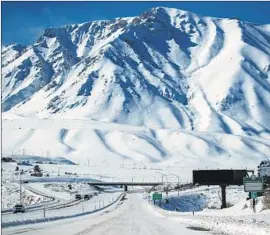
(166, 68)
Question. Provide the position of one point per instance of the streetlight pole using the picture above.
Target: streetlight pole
(162, 176)
(178, 182)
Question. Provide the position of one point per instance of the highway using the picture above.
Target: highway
(130, 216)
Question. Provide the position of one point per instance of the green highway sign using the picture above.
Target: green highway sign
(157, 196)
(253, 184)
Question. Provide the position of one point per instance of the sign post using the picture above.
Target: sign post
(253, 195)
(253, 185)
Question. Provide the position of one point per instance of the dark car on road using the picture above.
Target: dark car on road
(18, 208)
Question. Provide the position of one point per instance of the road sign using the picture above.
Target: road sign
(253, 195)
(157, 196)
(253, 184)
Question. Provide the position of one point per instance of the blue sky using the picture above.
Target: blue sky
(24, 22)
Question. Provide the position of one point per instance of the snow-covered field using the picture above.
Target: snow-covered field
(10, 195)
(205, 202)
(236, 219)
(109, 145)
(10, 186)
(203, 198)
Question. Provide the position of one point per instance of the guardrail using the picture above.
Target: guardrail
(49, 219)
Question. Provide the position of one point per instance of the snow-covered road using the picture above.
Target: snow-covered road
(66, 209)
(130, 216)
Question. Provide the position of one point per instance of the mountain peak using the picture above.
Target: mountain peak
(163, 68)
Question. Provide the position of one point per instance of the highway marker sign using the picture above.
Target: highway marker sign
(253, 195)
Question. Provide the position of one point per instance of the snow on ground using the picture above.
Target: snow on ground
(212, 119)
(108, 152)
(10, 194)
(252, 224)
(136, 216)
(109, 145)
(57, 190)
(130, 216)
(52, 213)
(203, 198)
(204, 202)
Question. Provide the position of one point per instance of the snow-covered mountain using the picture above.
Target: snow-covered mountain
(165, 68)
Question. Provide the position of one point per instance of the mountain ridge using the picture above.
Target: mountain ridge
(165, 68)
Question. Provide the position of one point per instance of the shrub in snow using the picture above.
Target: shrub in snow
(37, 168)
(266, 199)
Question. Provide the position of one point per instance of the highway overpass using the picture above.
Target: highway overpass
(125, 184)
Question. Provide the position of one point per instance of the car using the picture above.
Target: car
(36, 174)
(18, 208)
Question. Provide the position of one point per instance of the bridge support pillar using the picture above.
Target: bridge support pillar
(125, 188)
